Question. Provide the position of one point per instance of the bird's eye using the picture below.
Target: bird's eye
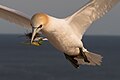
(40, 26)
(31, 24)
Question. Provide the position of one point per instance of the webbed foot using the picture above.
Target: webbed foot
(82, 54)
(72, 60)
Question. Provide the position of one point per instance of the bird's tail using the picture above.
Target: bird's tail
(94, 59)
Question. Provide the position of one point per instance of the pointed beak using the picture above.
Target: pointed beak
(34, 31)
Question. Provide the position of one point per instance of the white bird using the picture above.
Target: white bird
(65, 34)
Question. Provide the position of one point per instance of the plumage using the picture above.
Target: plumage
(81, 20)
(65, 34)
(14, 16)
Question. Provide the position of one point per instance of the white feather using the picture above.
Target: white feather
(92, 11)
(14, 16)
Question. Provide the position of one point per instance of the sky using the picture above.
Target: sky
(107, 25)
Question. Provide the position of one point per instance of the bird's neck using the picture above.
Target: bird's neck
(51, 26)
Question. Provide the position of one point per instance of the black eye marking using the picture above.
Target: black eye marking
(30, 24)
(39, 27)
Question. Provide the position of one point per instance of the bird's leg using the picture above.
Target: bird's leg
(72, 60)
(82, 54)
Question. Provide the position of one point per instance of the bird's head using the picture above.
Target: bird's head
(38, 22)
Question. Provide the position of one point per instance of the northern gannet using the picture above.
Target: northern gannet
(65, 34)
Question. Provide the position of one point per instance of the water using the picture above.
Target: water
(23, 62)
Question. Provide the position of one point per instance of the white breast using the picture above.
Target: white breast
(61, 36)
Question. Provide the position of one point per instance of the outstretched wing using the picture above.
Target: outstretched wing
(92, 11)
(14, 16)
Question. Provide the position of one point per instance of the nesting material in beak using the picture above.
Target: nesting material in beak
(29, 35)
(37, 41)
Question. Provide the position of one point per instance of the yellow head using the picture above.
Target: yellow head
(38, 22)
(39, 19)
